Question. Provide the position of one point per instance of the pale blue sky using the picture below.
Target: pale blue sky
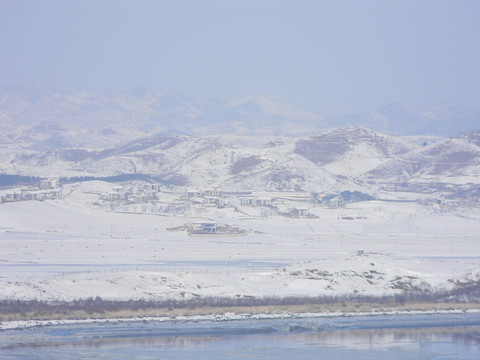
(328, 57)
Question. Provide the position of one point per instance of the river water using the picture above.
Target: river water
(433, 336)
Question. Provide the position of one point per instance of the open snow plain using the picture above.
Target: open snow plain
(75, 247)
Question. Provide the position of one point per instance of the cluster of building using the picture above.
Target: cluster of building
(336, 202)
(136, 193)
(288, 203)
(47, 189)
(209, 197)
(272, 200)
(444, 203)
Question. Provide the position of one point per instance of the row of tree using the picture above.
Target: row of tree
(462, 294)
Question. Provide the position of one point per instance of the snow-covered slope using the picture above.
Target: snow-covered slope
(351, 151)
(352, 158)
(200, 163)
(452, 161)
(365, 274)
(310, 164)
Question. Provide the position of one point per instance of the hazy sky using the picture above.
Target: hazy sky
(328, 57)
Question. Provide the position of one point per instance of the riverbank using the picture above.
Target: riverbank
(56, 315)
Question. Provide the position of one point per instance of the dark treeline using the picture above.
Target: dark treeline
(464, 294)
(17, 180)
(13, 180)
(114, 178)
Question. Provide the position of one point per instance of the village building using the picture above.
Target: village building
(299, 212)
(214, 192)
(153, 188)
(139, 198)
(246, 201)
(194, 193)
(256, 201)
(336, 203)
(213, 228)
(202, 193)
(203, 228)
(31, 194)
(51, 182)
(116, 196)
(135, 193)
(215, 201)
(263, 201)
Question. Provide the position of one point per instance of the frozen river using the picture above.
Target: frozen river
(437, 336)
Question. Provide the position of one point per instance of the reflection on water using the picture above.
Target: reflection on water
(380, 337)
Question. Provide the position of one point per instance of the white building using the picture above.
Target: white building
(51, 182)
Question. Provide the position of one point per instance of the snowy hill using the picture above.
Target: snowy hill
(334, 160)
(310, 164)
(367, 274)
(449, 163)
(351, 151)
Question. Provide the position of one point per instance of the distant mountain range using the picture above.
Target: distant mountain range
(46, 119)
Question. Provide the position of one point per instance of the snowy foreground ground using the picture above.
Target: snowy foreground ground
(72, 248)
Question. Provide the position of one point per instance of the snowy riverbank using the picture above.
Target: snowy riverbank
(231, 316)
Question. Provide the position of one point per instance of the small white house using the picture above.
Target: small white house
(336, 203)
(246, 201)
(299, 212)
(194, 193)
(52, 182)
(214, 192)
(256, 201)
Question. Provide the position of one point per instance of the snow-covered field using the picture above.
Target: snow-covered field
(73, 248)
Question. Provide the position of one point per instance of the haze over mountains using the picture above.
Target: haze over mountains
(43, 118)
(251, 142)
(46, 119)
